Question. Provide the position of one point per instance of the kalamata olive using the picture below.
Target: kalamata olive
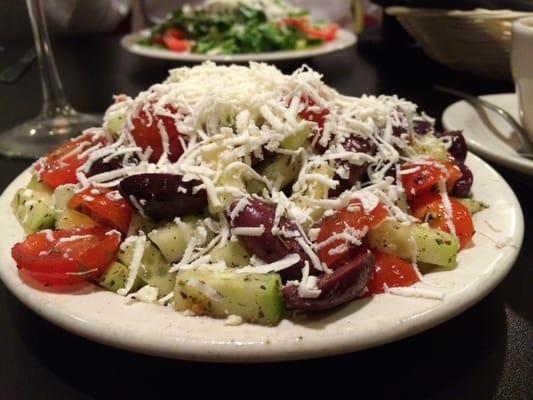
(342, 286)
(357, 173)
(461, 188)
(269, 247)
(458, 147)
(100, 166)
(422, 127)
(163, 197)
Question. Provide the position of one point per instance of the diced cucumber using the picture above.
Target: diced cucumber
(316, 190)
(114, 125)
(171, 239)
(116, 276)
(154, 269)
(473, 206)
(254, 297)
(62, 195)
(231, 179)
(432, 246)
(296, 140)
(38, 185)
(233, 254)
(33, 209)
(281, 170)
(71, 219)
(431, 146)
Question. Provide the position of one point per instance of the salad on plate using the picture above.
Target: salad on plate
(241, 193)
(239, 27)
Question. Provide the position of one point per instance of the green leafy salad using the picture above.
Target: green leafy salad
(238, 27)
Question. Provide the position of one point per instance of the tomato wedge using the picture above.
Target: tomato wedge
(59, 166)
(352, 218)
(66, 257)
(146, 132)
(103, 207)
(419, 179)
(391, 271)
(325, 33)
(430, 208)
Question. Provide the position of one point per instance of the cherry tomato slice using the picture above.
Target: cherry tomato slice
(354, 217)
(326, 32)
(430, 208)
(146, 133)
(391, 271)
(59, 166)
(66, 257)
(175, 33)
(174, 44)
(103, 207)
(424, 178)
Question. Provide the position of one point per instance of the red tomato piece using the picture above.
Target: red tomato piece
(175, 33)
(325, 32)
(424, 178)
(430, 209)
(66, 257)
(103, 208)
(146, 133)
(391, 271)
(174, 44)
(317, 116)
(353, 217)
(59, 166)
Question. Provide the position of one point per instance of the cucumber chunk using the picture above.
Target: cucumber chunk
(432, 246)
(71, 219)
(233, 254)
(33, 209)
(62, 195)
(115, 125)
(116, 276)
(154, 269)
(38, 185)
(296, 140)
(171, 239)
(254, 297)
(432, 147)
(281, 170)
(473, 206)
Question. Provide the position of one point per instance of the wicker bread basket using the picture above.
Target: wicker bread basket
(477, 41)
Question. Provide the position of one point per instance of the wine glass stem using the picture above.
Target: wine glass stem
(54, 100)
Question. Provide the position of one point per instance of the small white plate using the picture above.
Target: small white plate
(129, 42)
(146, 328)
(495, 143)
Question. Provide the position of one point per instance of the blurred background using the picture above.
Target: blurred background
(472, 35)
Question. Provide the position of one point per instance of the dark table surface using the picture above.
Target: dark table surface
(485, 353)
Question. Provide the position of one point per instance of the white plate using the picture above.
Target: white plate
(145, 328)
(343, 40)
(494, 143)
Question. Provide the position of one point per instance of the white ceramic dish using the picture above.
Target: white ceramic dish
(129, 42)
(145, 328)
(496, 143)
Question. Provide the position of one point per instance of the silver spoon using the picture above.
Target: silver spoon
(526, 148)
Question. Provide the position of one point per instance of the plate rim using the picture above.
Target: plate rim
(344, 40)
(215, 351)
(516, 164)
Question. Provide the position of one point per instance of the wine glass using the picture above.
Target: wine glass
(57, 121)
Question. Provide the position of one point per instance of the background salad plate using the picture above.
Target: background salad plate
(344, 40)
